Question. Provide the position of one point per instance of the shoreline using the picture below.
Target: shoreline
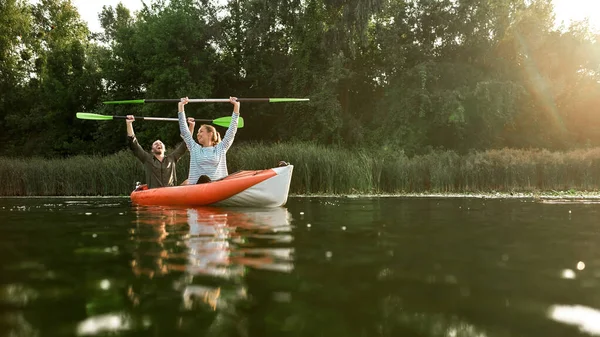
(483, 195)
(527, 195)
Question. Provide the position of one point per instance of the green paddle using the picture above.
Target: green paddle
(222, 121)
(208, 100)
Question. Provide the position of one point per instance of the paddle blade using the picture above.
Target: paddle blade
(131, 101)
(224, 121)
(94, 117)
(281, 100)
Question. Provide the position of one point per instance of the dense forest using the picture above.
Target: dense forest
(404, 75)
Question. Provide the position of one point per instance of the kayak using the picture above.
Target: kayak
(250, 188)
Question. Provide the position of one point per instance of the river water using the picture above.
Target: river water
(316, 267)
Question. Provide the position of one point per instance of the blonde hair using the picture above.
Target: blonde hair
(216, 137)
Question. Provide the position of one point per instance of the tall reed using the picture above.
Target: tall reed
(320, 169)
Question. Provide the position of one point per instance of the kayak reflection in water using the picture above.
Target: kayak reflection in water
(210, 251)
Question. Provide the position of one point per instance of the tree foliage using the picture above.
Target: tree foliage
(408, 75)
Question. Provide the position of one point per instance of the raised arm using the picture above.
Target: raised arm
(184, 129)
(191, 124)
(129, 122)
(232, 130)
(138, 151)
(180, 149)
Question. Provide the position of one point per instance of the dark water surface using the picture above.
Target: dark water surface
(317, 267)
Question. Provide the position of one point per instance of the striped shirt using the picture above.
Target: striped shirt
(210, 160)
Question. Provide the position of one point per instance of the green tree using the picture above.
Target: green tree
(14, 59)
(59, 81)
(165, 51)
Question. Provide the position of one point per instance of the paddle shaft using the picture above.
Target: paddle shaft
(221, 121)
(204, 100)
(160, 119)
(207, 100)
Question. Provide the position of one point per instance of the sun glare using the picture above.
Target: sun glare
(567, 11)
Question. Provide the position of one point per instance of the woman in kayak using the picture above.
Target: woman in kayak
(208, 160)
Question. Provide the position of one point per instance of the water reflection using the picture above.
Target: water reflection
(397, 319)
(585, 318)
(207, 252)
(16, 296)
(107, 323)
(358, 267)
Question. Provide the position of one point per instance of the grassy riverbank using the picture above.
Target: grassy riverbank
(327, 170)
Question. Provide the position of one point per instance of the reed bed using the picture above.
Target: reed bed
(322, 169)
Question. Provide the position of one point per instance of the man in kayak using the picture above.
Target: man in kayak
(208, 160)
(160, 168)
